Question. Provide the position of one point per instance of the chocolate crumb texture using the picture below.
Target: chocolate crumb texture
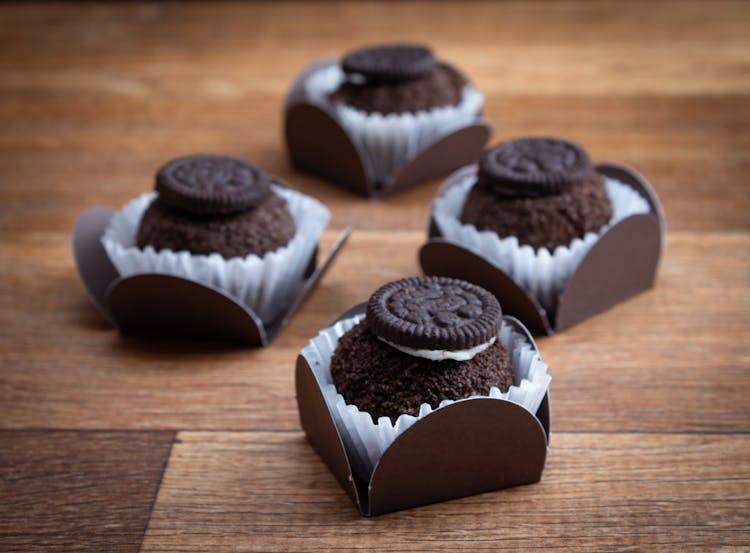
(386, 382)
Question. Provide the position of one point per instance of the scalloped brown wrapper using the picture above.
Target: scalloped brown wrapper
(173, 305)
(318, 145)
(465, 448)
(622, 263)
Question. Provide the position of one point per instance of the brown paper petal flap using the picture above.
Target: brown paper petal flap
(170, 304)
(501, 445)
(454, 150)
(93, 264)
(319, 145)
(441, 257)
(620, 264)
(317, 422)
(465, 448)
(633, 178)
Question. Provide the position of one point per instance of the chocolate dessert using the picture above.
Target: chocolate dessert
(544, 191)
(423, 340)
(397, 79)
(215, 204)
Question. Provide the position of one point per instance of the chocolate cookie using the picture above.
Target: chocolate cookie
(397, 62)
(386, 382)
(215, 204)
(397, 79)
(435, 313)
(212, 185)
(259, 230)
(543, 191)
(530, 167)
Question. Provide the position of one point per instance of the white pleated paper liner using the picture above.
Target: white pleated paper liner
(542, 272)
(393, 139)
(366, 440)
(266, 284)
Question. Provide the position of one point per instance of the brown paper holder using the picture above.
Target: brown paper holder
(169, 304)
(469, 447)
(621, 264)
(318, 145)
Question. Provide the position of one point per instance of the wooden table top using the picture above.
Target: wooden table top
(110, 443)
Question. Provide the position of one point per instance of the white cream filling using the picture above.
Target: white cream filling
(443, 354)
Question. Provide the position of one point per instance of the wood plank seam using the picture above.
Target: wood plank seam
(687, 432)
(158, 487)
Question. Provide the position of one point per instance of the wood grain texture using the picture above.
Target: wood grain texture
(631, 365)
(600, 492)
(650, 408)
(96, 98)
(82, 491)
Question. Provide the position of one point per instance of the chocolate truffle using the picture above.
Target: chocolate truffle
(215, 204)
(397, 79)
(544, 191)
(423, 340)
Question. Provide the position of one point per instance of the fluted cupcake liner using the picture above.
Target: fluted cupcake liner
(266, 284)
(542, 272)
(391, 140)
(367, 440)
